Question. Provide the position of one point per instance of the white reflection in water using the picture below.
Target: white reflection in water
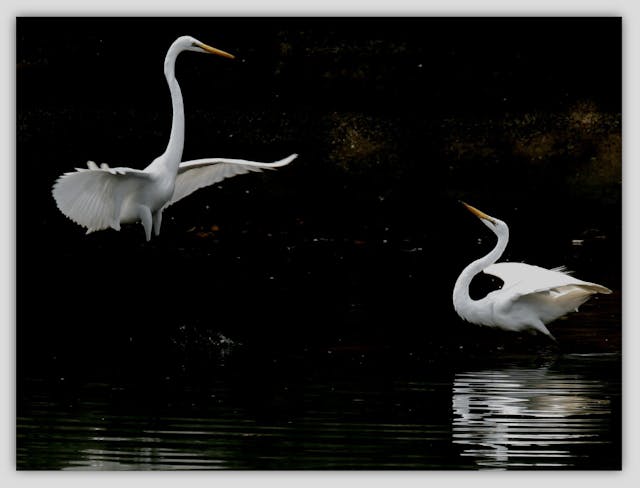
(142, 457)
(526, 417)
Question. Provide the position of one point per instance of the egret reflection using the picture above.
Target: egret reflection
(526, 417)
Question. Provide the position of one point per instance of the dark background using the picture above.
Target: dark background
(357, 244)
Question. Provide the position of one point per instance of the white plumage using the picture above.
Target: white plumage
(196, 174)
(97, 198)
(102, 197)
(530, 297)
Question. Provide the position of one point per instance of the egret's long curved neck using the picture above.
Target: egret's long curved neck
(461, 288)
(173, 152)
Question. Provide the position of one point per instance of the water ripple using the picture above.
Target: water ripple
(526, 417)
(516, 417)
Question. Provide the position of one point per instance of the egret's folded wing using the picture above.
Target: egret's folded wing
(196, 174)
(92, 196)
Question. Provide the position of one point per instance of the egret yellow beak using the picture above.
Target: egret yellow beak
(213, 50)
(478, 213)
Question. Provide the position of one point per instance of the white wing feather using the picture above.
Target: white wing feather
(93, 197)
(552, 292)
(199, 173)
(522, 278)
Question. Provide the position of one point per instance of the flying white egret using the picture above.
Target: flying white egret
(99, 197)
(530, 297)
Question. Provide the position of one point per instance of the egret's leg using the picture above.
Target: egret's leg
(157, 221)
(145, 217)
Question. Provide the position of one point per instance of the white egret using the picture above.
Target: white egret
(530, 297)
(99, 197)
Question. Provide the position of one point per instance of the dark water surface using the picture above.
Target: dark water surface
(559, 411)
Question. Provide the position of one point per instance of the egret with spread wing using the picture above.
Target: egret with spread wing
(530, 297)
(101, 197)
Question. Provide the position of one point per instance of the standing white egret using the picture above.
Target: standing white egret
(530, 297)
(100, 197)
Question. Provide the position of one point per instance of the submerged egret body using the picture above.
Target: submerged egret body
(99, 197)
(530, 297)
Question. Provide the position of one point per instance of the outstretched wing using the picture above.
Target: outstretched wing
(196, 174)
(93, 197)
(552, 292)
(522, 278)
